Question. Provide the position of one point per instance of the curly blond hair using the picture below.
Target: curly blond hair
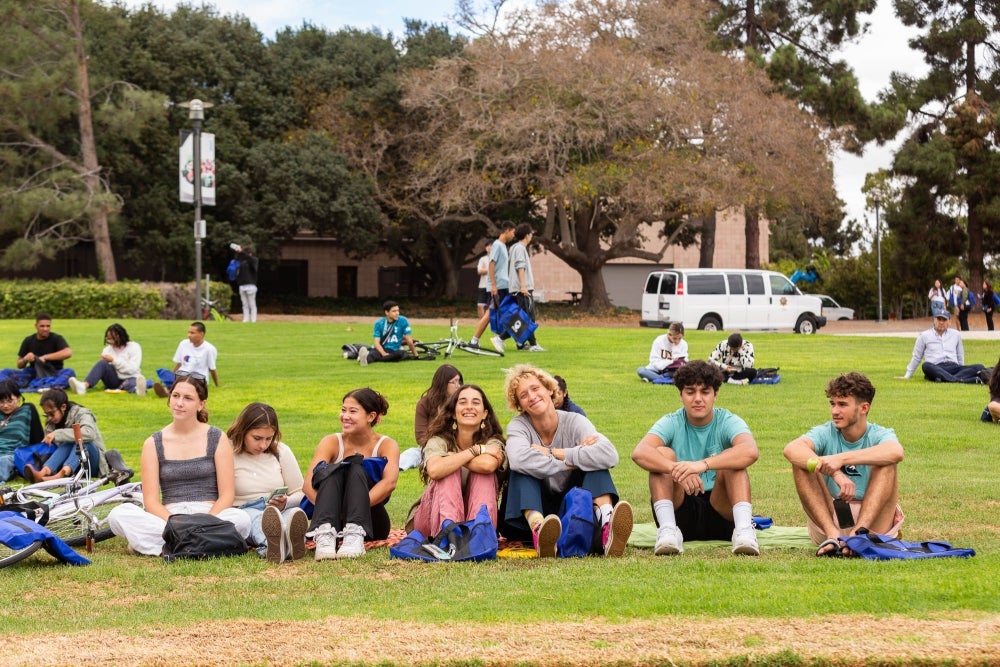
(517, 374)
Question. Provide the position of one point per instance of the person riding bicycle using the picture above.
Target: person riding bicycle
(194, 356)
(390, 334)
(60, 416)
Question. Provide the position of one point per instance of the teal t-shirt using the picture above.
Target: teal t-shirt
(827, 441)
(694, 443)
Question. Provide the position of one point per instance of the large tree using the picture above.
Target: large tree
(614, 120)
(54, 191)
(952, 155)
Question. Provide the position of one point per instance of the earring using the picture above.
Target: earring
(454, 426)
(482, 425)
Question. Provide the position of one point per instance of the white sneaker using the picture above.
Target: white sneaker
(668, 541)
(363, 356)
(140, 385)
(535, 348)
(295, 534)
(745, 542)
(735, 381)
(326, 542)
(78, 386)
(497, 343)
(353, 544)
(274, 534)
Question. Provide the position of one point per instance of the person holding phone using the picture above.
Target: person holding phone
(268, 485)
(845, 470)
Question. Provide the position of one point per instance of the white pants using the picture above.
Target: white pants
(144, 531)
(248, 295)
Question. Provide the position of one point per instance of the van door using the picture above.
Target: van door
(785, 305)
(706, 301)
(739, 303)
(758, 302)
(659, 300)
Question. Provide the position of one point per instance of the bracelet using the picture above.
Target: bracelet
(707, 467)
(549, 447)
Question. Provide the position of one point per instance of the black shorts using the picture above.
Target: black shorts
(483, 299)
(698, 520)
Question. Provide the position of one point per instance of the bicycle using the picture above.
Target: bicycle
(215, 310)
(452, 343)
(77, 506)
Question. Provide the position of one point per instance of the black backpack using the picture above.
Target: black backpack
(200, 536)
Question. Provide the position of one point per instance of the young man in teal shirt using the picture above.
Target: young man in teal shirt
(845, 469)
(697, 458)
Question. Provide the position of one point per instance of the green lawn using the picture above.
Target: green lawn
(948, 482)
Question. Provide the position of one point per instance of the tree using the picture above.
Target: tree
(609, 119)
(952, 154)
(54, 190)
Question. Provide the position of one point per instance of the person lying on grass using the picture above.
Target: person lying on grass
(847, 464)
(697, 458)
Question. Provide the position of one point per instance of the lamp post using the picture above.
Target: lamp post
(196, 114)
(878, 245)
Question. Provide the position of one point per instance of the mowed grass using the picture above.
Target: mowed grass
(948, 489)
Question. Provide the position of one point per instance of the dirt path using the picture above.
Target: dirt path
(855, 640)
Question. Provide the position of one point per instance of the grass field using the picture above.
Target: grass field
(704, 607)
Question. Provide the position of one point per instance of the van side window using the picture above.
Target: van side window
(668, 285)
(755, 284)
(735, 283)
(653, 283)
(781, 285)
(710, 283)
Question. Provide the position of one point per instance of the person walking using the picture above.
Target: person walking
(522, 280)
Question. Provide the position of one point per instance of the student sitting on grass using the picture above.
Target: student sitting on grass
(668, 353)
(15, 426)
(446, 380)
(993, 407)
(60, 415)
(847, 462)
(697, 458)
(268, 485)
(550, 452)
(463, 462)
(351, 477)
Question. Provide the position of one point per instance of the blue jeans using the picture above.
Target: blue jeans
(255, 510)
(103, 371)
(67, 456)
(525, 492)
(6, 467)
(647, 373)
(949, 371)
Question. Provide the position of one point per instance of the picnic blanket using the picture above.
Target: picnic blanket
(765, 379)
(776, 537)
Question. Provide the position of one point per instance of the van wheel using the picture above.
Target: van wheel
(710, 323)
(806, 325)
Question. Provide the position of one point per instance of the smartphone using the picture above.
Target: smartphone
(845, 517)
(436, 551)
(280, 491)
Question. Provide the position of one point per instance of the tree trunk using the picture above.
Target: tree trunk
(595, 293)
(708, 224)
(751, 215)
(88, 148)
(975, 232)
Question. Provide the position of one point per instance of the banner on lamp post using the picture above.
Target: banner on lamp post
(186, 175)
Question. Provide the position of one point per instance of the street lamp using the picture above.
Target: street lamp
(878, 244)
(196, 114)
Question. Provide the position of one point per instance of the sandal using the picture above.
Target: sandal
(830, 553)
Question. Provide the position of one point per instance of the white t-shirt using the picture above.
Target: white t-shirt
(195, 360)
(483, 269)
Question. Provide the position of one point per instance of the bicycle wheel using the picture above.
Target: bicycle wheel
(9, 556)
(72, 528)
(475, 349)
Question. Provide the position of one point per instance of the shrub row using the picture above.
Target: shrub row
(89, 299)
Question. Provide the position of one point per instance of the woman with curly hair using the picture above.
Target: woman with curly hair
(119, 366)
(463, 463)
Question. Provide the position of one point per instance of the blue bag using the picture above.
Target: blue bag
(580, 528)
(473, 540)
(36, 455)
(17, 532)
(233, 270)
(882, 547)
(515, 321)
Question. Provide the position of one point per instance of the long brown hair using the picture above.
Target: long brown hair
(443, 423)
(200, 388)
(254, 416)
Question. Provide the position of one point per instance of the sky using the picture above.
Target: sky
(883, 50)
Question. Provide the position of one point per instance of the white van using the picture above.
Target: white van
(730, 299)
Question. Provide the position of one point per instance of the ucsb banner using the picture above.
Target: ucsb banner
(207, 171)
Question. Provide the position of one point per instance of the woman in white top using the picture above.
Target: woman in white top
(668, 353)
(119, 366)
(187, 468)
(939, 298)
(268, 484)
(351, 477)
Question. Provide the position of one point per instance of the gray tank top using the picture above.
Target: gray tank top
(188, 480)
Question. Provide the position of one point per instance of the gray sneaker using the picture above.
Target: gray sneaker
(363, 356)
(274, 534)
(298, 524)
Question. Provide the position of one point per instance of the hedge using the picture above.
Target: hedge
(89, 299)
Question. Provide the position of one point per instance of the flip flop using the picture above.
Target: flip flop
(832, 553)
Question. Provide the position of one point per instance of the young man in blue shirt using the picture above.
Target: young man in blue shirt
(390, 334)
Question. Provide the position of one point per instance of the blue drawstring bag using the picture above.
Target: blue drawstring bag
(874, 546)
(17, 532)
(473, 540)
(580, 528)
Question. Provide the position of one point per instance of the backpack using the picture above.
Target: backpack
(882, 547)
(473, 540)
(200, 536)
(580, 528)
(233, 270)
